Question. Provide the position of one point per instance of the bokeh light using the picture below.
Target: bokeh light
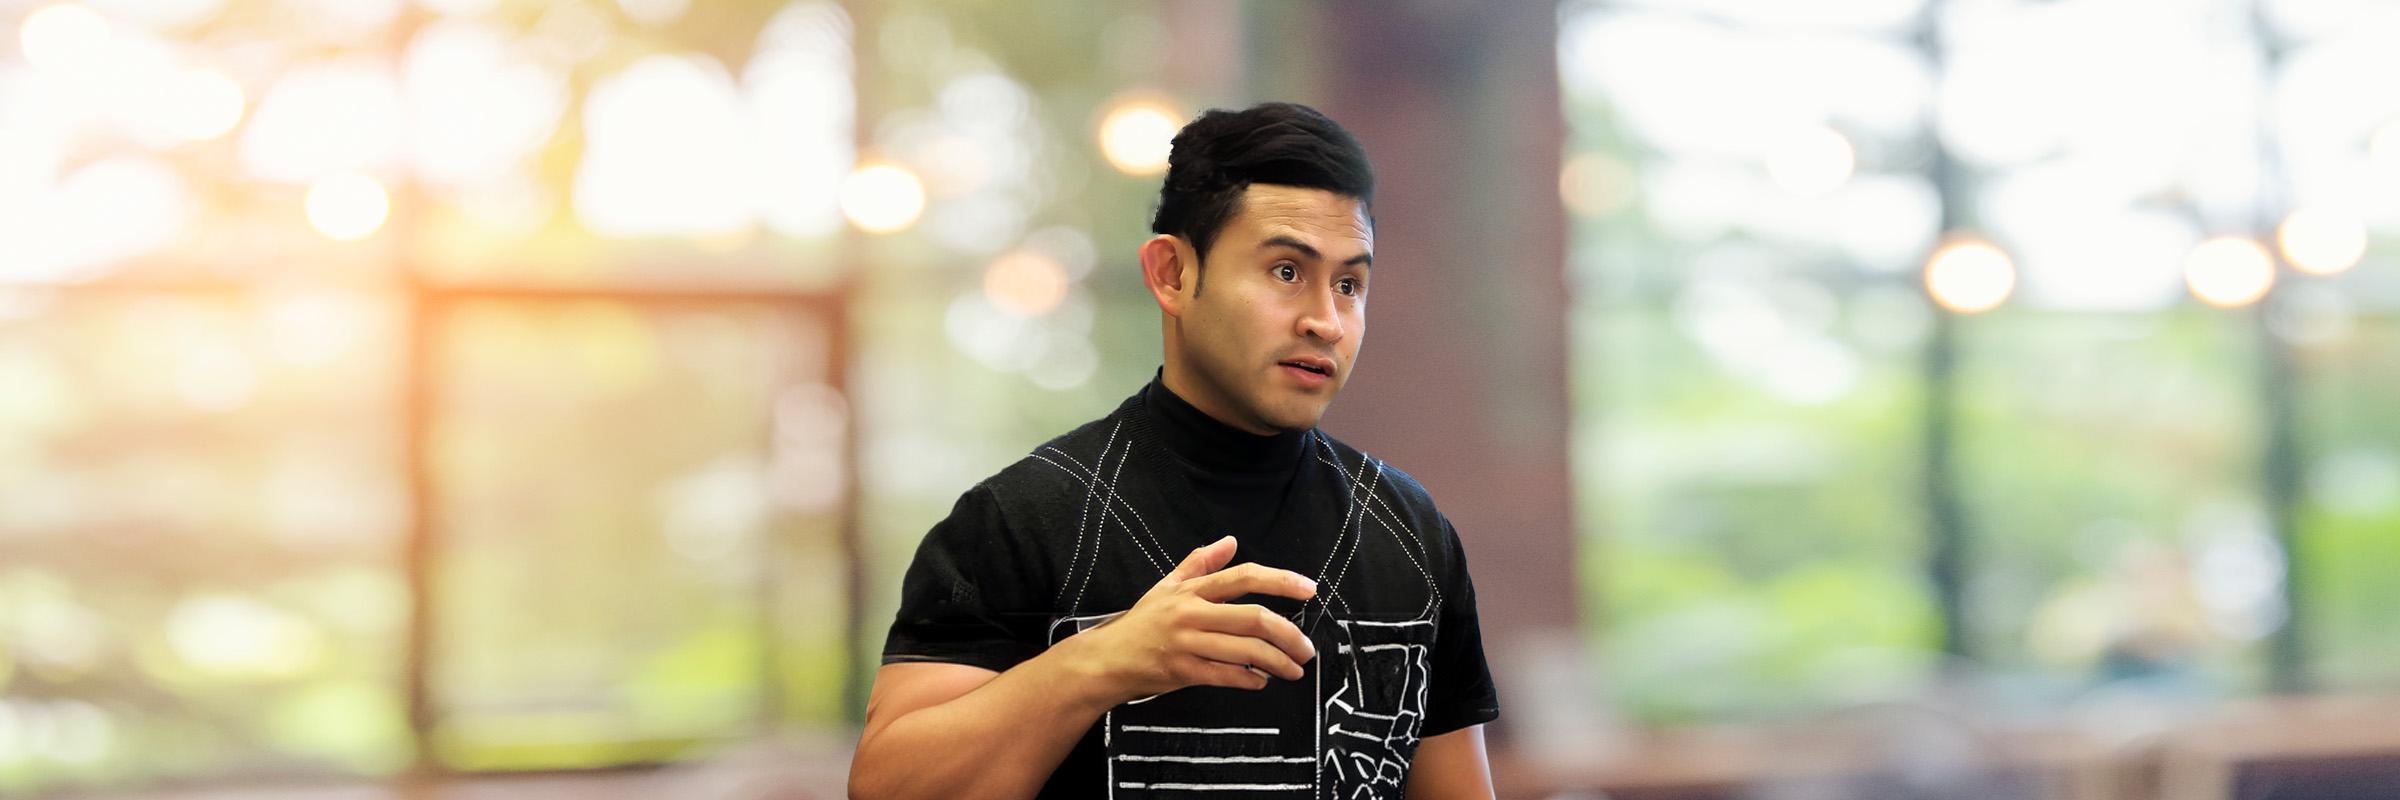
(63, 38)
(63, 731)
(2322, 241)
(206, 104)
(233, 637)
(654, 13)
(348, 206)
(799, 88)
(478, 104)
(882, 198)
(459, 8)
(1137, 135)
(1595, 184)
(159, 14)
(2229, 271)
(668, 152)
(318, 119)
(100, 215)
(1811, 160)
(1025, 282)
(1970, 276)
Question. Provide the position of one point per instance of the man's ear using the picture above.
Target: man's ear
(1170, 270)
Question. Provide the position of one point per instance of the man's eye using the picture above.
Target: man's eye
(1286, 272)
(1349, 286)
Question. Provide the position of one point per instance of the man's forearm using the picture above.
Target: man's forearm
(1001, 740)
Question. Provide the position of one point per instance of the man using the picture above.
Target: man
(1202, 594)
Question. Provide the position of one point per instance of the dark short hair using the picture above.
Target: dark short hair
(1218, 156)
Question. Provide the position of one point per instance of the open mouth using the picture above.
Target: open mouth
(1310, 365)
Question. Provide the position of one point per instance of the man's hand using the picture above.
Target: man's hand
(1183, 632)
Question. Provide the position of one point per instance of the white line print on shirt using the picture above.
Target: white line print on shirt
(1385, 519)
(1225, 739)
(1164, 557)
(1102, 489)
(1333, 590)
(1091, 492)
(1372, 743)
(1363, 736)
(1363, 507)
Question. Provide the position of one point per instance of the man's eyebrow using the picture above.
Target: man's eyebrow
(1279, 240)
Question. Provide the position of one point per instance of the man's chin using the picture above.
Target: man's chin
(1295, 420)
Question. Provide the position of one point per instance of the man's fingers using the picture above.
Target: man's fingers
(1252, 578)
(1259, 623)
(1240, 650)
(1207, 559)
(1203, 672)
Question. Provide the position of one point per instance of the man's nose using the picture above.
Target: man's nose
(1322, 319)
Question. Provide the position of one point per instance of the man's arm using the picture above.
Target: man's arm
(938, 729)
(947, 730)
(1451, 766)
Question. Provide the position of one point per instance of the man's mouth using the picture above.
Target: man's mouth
(1317, 365)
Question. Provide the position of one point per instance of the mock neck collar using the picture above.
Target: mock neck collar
(1203, 441)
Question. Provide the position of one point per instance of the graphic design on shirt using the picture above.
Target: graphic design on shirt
(1376, 710)
(1345, 731)
(1210, 739)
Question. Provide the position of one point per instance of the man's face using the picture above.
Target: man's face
(1273, 329)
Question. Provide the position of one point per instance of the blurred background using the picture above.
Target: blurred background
(1878, 398)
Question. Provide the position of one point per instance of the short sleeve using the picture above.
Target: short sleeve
(1462, 693)
(963, 598)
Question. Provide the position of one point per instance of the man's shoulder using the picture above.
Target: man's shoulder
(1366, 469)
(1064, 466)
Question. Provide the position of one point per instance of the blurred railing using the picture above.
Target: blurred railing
(2292, 748)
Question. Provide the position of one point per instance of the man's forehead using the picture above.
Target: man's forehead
(1331, 223)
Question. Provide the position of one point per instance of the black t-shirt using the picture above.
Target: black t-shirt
(1079, 529)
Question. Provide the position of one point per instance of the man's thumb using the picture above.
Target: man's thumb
(1209, 558)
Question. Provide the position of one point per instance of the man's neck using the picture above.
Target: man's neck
(1209, 399)
(1206, 442)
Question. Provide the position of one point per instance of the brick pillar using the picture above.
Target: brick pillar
(1463, 379)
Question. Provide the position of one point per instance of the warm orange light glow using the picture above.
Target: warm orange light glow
(1595, 184)
(2229, 271)
(667, 152)
(63, 37)
(347, 206)
(1970, 276)
(206, 104)
(2322, 241)
(1136, 135)
(882, 198)
(1025, 283)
